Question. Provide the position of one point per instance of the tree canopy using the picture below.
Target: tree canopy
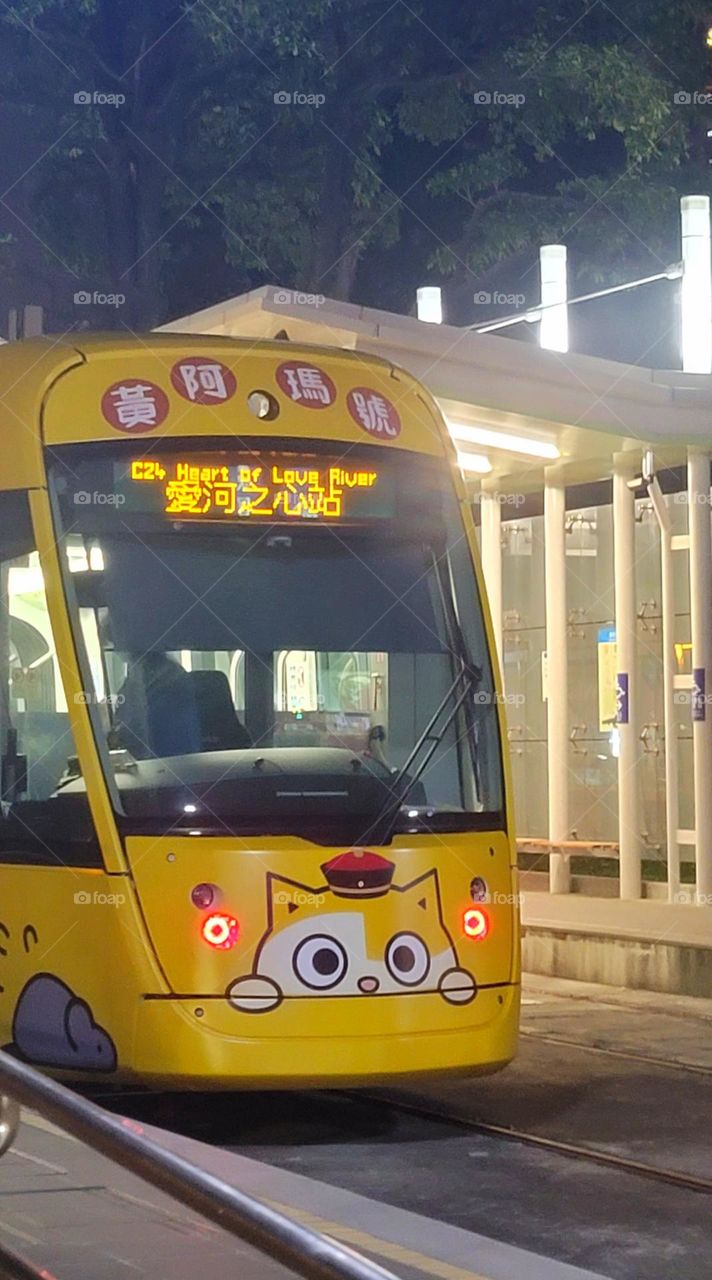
(185, 150)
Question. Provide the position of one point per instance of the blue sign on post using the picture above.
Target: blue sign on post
(699, 700)
(623, 698)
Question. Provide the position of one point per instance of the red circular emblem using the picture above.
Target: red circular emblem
(374, 413)
(203, 380)
(135, 405)
(306, 384)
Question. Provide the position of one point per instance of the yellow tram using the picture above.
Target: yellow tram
(256, 824)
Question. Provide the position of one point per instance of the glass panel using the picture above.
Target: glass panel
(524, 639)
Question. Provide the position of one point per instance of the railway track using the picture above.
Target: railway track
(571, 1150)
(446, 1114)
(647, 1060)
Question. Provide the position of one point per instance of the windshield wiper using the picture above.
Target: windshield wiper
(403, 780)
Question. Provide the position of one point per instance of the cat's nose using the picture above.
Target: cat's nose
(368, 985)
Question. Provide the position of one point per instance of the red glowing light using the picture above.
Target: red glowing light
(475, 924)
(220, 931)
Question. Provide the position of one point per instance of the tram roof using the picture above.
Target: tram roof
(51, 388)
(591, 409)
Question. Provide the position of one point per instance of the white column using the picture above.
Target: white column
(696, 289)
(629, 752)
(557, 706)
(554, 328)
(491, 516)
(672, 792)
(429, 302)
(698, 483)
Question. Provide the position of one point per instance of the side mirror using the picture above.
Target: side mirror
(9, 1122)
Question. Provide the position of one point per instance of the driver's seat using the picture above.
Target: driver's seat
(156, 710)
(220, 728)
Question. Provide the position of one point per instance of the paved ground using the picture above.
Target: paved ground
(623, 1072)
(78, 1217)
(646, 1107)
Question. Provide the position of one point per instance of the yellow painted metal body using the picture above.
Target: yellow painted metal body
(137, 958)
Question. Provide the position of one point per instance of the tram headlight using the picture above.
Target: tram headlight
(220, 931)
(478, 889)
(475, 923)
(204, 896)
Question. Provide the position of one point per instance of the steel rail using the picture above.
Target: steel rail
(306, 1252)
(648, 1060)
(571, 1150)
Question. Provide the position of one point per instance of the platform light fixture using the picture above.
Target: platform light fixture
(429, 302)
(490, 438)
(696, 294)
(554, 329)
(476, 462)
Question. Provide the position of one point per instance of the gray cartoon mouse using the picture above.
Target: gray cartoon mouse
(55, 1028)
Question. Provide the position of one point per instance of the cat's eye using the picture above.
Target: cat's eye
(320, 962)
(407, 959)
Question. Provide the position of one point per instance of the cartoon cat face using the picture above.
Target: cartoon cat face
(321, 943)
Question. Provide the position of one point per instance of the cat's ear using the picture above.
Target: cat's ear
(284, 899)
(423, 893)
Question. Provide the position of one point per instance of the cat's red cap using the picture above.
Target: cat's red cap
(359, 874)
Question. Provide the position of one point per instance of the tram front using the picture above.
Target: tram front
(296, 738)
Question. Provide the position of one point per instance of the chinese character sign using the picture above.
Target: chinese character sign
(134, 405)
(374, 412)
(306, 385)
(202, 380)
(254, 489)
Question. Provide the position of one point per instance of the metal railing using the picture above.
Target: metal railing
(306, 1252)
(569, 848)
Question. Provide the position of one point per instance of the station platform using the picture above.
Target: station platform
(649, 944)
(75, 1216)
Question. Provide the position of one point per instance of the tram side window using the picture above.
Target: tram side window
(36, 739)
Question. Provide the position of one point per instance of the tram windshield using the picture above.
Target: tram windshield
(272, 639)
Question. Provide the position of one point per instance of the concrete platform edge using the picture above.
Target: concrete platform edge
(651, 946)
(453, 1247)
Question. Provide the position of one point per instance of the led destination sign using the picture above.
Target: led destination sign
(274, 488)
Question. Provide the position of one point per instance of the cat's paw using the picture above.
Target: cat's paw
(457, 986)
(254, 994)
